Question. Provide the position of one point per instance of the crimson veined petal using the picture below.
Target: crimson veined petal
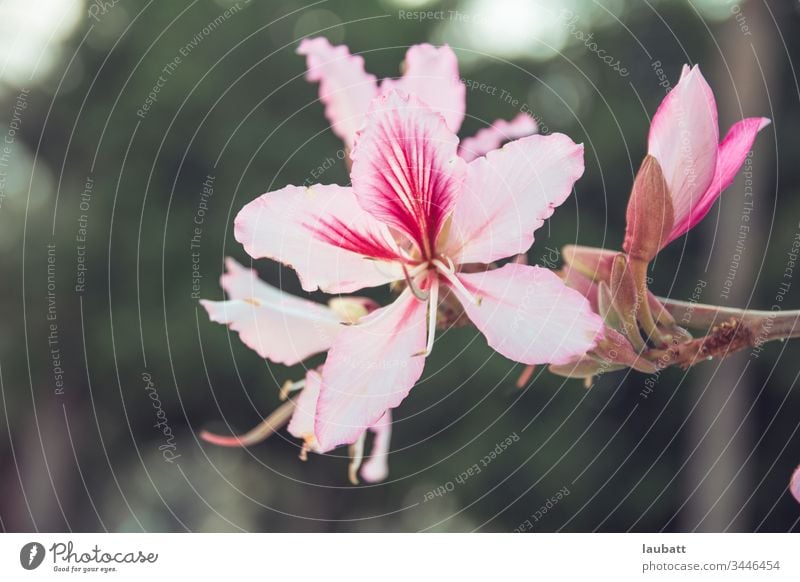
(731, 155)
(370, 368)
(492, 137)
(529, 315)
(277, 325)
(345, 88)
(509, 193)
(323, 233)
(336, 232)
(684, 137)
(431, 73)
(406, 171)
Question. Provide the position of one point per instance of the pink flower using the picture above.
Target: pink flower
(416, 213)
(430, 73)
(684, 138)
(287, 330)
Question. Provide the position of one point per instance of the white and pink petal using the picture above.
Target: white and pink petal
(370, 368)
(431, 73)
(490, 138)
(376, 467)
(240, 282)
(509, 193)
(282, 328)
(529, 315)
(732, 153)
(345, 88)
(301, 424)
(684, 137)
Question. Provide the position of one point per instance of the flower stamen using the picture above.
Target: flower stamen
(274, 422)
(289, 387)
(356, 457)
(450, 274)
(433, 312)
(309, 441)
(409, 276)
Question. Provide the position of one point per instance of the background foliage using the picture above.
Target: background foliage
(709, 449)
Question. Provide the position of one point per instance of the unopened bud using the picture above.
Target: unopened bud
(574, 279)
(625, 299)
(650, 213)
(605, 306)
(583, 367)
(589, 261)
(616, 349)
(661, 315)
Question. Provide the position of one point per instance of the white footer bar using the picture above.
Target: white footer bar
(389, 557)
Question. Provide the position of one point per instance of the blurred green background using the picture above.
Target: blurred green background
(709, 449)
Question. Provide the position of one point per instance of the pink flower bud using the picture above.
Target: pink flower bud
(650, 214)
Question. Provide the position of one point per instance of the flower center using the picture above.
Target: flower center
(429, 272)
(448, 271)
